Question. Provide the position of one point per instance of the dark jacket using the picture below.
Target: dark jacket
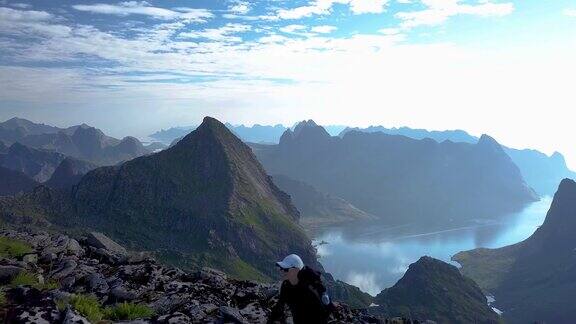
(303, 299)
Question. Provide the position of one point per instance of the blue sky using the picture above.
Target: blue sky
(503, 67)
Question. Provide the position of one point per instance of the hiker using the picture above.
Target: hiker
(302, 290)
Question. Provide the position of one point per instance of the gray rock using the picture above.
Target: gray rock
(64, 269)
(38, 315)
(71, 317)
(8, 272)
(30, 258)
(48, 256)
(232, 314)
(99, 240)
(68, 282)
(97, 283)
(122, 294)
(176, 318)
(74, 247)
(254, 313)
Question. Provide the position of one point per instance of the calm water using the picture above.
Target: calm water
(373, 257)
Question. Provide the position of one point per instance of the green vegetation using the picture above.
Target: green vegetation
(127, 311)
(88, 306)
(24, 279)
(11, 248)
(487, 267)
(28, 279)
(2, 297)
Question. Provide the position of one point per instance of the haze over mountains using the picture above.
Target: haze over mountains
(82, 142)
(541, 172)
(400, 179)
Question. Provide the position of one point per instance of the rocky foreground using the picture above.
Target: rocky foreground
(52, 278)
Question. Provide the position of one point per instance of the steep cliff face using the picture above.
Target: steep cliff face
(534, 279)
(436, 290)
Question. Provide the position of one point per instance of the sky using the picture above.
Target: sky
(501, 67)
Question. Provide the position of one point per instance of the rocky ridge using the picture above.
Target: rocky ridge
(95, 265)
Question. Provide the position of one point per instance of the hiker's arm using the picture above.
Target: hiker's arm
(278, 310)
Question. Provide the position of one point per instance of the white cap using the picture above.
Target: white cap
(291, 261)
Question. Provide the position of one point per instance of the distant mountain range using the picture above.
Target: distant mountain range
(541, 172)
(260, 134)
(81, 142)
(534, 280)
(398, 178)
(437, 291)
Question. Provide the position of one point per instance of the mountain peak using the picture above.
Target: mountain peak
(430, 284)
(305, 132)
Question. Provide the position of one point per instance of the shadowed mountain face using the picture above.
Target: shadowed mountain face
(533, 280)
(435, 290)
(14, 182)
(541, 172)
(69, 173)
(36, 164)
(318, 208)
(401, 179)
(81, 142)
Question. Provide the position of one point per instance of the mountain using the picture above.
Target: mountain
(533, 281)
(69, 173)
(541, 172)
(14, 182)
(399, 178)
(3, 147)
(438, 136)
(437, 291)
(318, 208)
(37, 164)
(81, 142)
(259, 134)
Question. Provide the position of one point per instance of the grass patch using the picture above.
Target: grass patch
(87, 306)
(2, 298)
(11, 248)
(127, 311)
(24, 279)
(28, 279)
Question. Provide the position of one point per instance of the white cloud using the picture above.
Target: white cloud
(368, 6)
(21, 5)
(324, 7)
(439, 11)
(143, 8)
(293, 28)
(570, 12)
(365, 281)
(239, 7)
(12, 15)
(222, 34)
(324, 29)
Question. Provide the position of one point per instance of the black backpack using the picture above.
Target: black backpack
(313, 281)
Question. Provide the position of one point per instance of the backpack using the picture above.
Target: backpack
(313, 281)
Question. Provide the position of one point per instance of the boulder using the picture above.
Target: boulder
(71, 317)
(7, 272)
(101, 241)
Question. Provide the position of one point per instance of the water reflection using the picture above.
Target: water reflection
(374, 256)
